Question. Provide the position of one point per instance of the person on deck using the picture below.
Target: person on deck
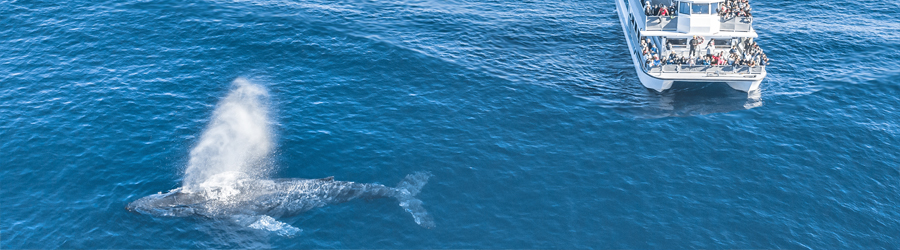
(693, 44)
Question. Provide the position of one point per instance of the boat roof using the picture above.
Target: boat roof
(703, 1)
(669, 2)
(657, 2)
(672, 34)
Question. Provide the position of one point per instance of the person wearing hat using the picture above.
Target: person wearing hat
(711, 46)
(694, 42)
(647, 8)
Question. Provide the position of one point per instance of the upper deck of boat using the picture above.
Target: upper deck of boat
(687, 18)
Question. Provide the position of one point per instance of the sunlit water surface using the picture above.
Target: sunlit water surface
(528, 115)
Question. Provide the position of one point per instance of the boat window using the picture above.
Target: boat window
(722, 43)
(714, 7)
(700, 8)
(678, 41)
(685, 8)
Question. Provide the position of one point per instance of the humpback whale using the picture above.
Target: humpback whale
(226, 177)
(257, 202)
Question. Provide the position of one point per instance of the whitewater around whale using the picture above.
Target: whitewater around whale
(226, 177)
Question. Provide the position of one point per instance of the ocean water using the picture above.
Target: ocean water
(528, 115)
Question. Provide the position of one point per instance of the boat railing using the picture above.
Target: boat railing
(644, 66)
(661, 23)
(736, 24)
(670, 23)
(714, 70)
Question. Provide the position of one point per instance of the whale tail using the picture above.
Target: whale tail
(408, 188)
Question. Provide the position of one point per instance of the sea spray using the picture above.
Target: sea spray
(237, 140)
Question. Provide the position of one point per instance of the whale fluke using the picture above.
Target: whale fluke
(409, 187)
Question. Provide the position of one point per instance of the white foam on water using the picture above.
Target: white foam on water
(238, 138)
(270, 224)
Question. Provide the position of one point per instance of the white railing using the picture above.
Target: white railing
(661, 23)
(670, 23)
(709, 69)
(736, 24)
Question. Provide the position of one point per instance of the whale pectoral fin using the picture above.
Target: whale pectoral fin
(265, 222)
(270, 224)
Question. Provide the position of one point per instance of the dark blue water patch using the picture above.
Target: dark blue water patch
(528, 114)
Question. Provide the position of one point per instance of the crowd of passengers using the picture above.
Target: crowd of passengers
(749, 54)
(735, 8)
(660, 9)
(730, 9)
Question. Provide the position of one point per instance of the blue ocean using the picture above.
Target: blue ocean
(528, 116)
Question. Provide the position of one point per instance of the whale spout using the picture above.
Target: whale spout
(237, 139)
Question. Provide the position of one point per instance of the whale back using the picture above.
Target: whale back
(273, 197)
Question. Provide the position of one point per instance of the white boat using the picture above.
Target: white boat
(672, 34)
